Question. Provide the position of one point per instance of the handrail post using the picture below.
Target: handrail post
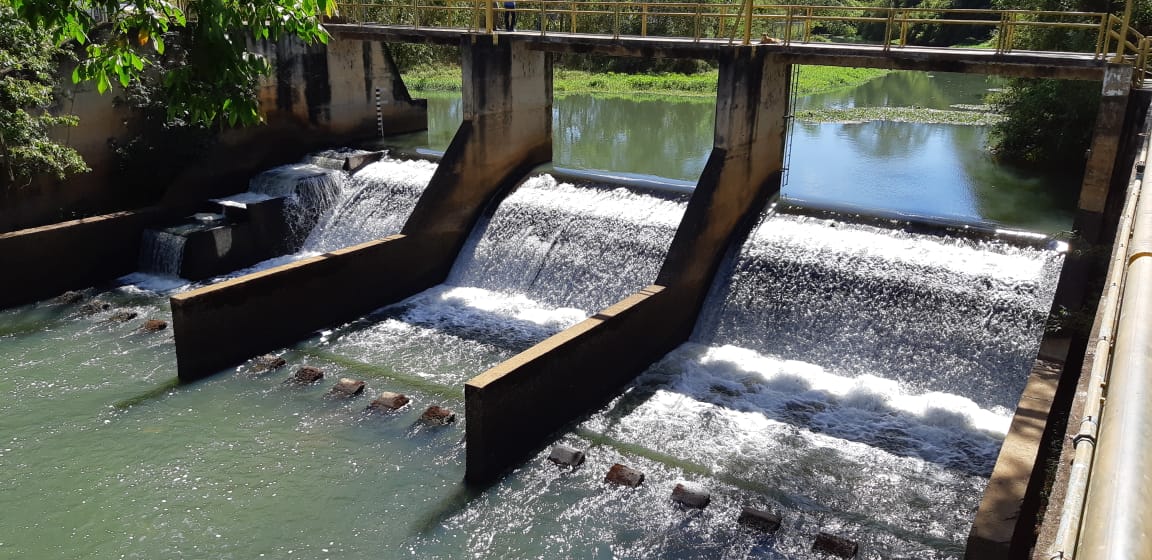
(888, 22)
(807, 24)
(1102, 37)
(644, 19)
(489, 16)
(543, 17)
(747, 22)
(416, 14)
(904, 28)
(696, 24)
(616, 20)
(1124, 28)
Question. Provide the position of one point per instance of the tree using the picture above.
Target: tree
(1050, 122)
(27, 79)
(121, 40)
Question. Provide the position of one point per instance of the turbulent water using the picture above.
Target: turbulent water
(855, 380)
(551, 255)
(375, 203)
(309, 192)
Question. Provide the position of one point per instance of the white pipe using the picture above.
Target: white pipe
(1071, 514)
(1117, 515)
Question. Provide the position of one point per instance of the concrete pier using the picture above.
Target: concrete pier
(569, 374)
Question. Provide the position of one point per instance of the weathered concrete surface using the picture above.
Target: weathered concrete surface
(565, 376)
(506, 132)
(1104, 151)
(45, 261)
(319, 96)
(1000, 529)
(224, 324)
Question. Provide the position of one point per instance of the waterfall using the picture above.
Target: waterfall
(549, 256)
(309, 190)
(375, 203)
(866, 375)
(161, 252)
(562, 245)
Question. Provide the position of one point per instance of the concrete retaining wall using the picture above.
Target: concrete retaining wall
(42, 262)
(221, 325)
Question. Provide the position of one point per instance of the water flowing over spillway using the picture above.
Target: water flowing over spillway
(551, 255)
(161, 252)
(864, 377)
(375, 202)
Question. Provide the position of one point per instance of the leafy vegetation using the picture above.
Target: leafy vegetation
(27, 79)
(809, 79)
(899, 114)
(1050, 122)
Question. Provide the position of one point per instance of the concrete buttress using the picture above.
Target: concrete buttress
(514, 407)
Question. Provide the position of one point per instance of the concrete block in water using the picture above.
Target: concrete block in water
(346, 387)
(624, 476)
(67, 298)
(154, 325)
(566, 456)
(267, 362)
(691, 495)
(307, 375)
(387, 401)
(438, 416)
(835, 545)
(95, 306)
(759, 519)
(122, 316)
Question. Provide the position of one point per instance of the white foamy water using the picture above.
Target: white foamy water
(937, 314)
(570, 246)
(377, 201)
(310, 191)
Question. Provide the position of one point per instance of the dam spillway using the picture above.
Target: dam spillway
(794, 393)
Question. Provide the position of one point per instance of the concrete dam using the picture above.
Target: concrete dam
(530, 362)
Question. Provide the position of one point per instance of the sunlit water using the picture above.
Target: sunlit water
(805, 390)
(926, 170)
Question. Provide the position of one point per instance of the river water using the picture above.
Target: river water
(868, 399)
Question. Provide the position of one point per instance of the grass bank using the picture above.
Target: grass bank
(809, 80)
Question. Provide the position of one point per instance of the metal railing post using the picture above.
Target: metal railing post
(644, 20)
(747, 22)
(1124, 28)
(489, 16)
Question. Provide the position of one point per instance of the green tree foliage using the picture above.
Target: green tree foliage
(122, 40)
(1050, 122)
(27, 76)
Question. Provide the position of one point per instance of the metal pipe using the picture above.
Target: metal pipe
(1117, 514)
(1068, 531)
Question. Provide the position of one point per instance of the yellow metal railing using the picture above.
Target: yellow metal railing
(748, 22)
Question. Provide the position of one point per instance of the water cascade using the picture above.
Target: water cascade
(161, 252)
(309, 192)
(865, 377)
(551, 255)
(374, 203)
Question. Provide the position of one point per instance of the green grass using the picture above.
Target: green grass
(810, 79)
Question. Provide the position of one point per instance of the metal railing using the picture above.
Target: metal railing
(748, 22)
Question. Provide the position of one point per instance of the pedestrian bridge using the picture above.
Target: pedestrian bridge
(795, 34)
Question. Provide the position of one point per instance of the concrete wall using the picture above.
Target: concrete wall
(514, 407)
(320, 96)
(221, 325)
(42, 262)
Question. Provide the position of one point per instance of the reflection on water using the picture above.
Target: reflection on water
(930, 170)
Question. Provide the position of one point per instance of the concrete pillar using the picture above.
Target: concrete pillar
(514, 407)
(1104, 151)
(742, 172)
(506, 132)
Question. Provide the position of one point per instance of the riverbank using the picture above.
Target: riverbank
(809, 80)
